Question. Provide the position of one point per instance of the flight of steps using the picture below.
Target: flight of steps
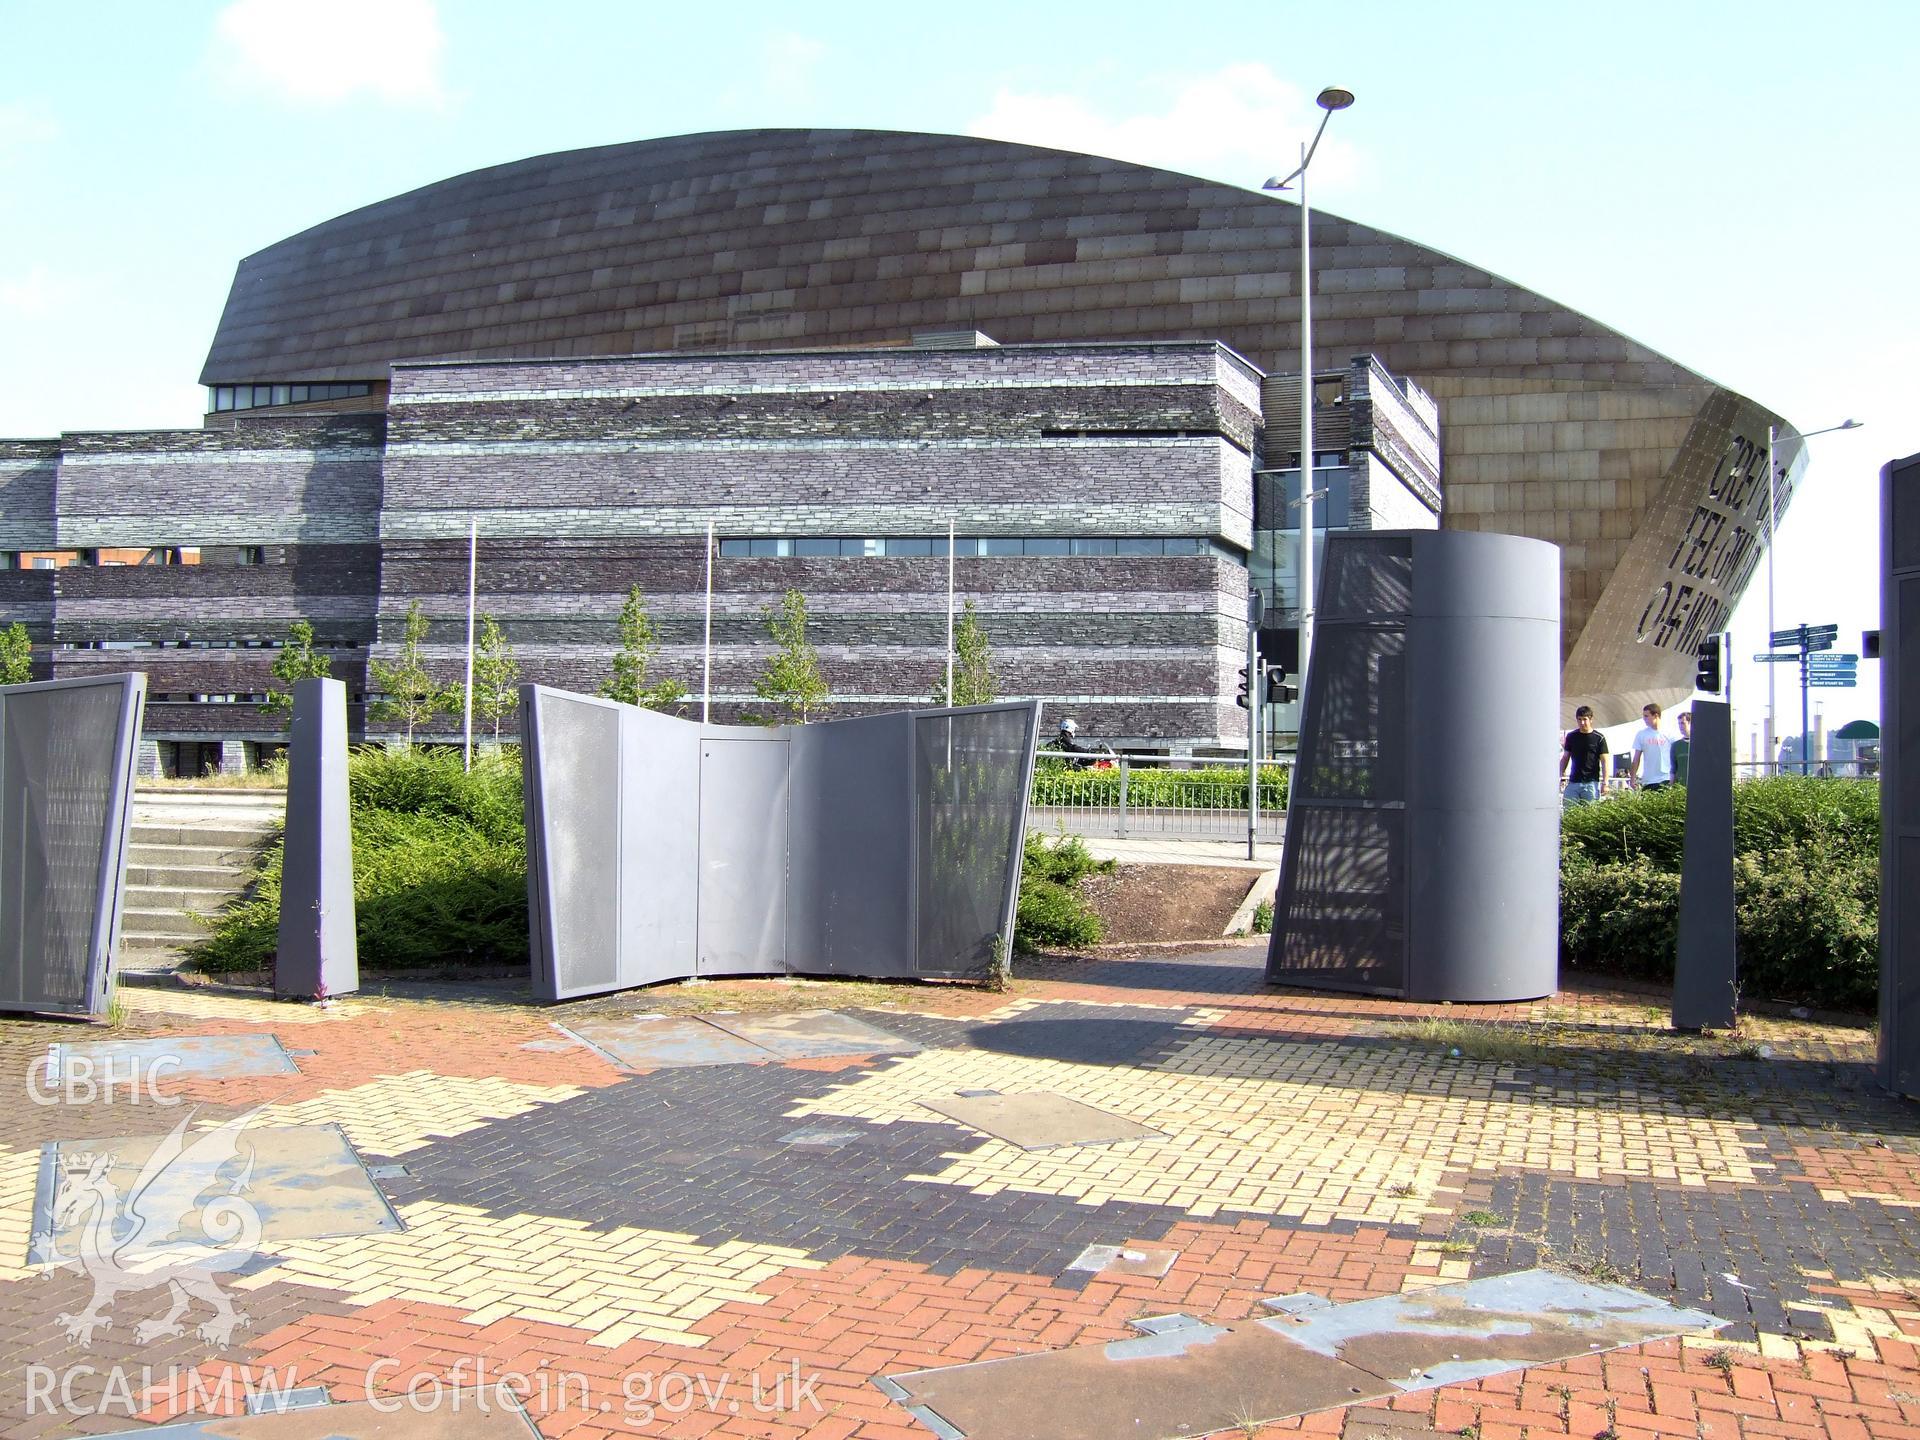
(192, 852)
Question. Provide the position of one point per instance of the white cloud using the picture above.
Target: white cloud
(24, 124)
(320, 55)
(1239, 124)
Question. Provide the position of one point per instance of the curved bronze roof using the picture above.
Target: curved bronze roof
(1552, 424)
(795, 238)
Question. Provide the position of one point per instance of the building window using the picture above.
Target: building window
(990, 546)
(250, 397)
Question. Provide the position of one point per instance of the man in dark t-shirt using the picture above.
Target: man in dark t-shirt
(1582, 752)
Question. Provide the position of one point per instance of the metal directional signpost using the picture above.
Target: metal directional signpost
(1820, 669)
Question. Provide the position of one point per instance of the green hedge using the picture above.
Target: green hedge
(1051, 910)
(439, 867)
(1806, 887)
(1214, 788)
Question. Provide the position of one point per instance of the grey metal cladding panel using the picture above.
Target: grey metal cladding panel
(743, 846)
(850, 867)
(1479, 576)
(1515, 665)
(331, 293)
(66, 775)
(971, 780)
(577, 844)
(659, 859)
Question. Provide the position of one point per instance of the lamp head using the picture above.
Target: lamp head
(1849, 425)
(1276, 182)
(1333, 98)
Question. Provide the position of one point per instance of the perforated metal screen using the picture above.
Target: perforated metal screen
(972, 775)
(66, 780)
(659, 848)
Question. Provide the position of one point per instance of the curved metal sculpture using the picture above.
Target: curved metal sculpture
(659, 848)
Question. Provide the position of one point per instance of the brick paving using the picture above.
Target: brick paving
(740, 1250)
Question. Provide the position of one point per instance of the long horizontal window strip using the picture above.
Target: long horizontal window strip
(331, 455)
(983, 546)
(252, 397)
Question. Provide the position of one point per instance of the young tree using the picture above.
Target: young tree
(409, 695)
(496, 676)
(297, 660)
(792, 677)
(639, 642)
(16, 655)
(973, 682)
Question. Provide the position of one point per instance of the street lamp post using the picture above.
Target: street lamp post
(1329, 100)
(1773, 519)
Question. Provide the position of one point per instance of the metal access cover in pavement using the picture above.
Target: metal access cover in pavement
(458, 1415)
(1038, 1122)
(813, 1034)
(183, 1190)
(201, 1057)
(659, 1042)
(1188, 1378)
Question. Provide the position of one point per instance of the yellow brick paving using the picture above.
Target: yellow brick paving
(398, 1113)
(620, 1283)
(1310, 1132)
(143, 1002)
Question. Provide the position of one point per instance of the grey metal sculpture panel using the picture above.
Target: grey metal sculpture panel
(1899, 774)
(851, 786)
(318, 952)
(1413, 868)
(658, 848)
(66, 791)
(973, 773)
(1705, 973)
(743, 854)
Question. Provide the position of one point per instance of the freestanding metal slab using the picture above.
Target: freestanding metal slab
(66, 813)
(1039, 1122)
(1706, 988)
(813, 1034)
(318, 952)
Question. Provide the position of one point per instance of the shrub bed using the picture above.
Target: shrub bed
(1051, 910)
(1806, 887)
(439, 868)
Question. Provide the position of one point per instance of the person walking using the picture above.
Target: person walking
(1652, 764)
(1683, 747)
(1583, 753)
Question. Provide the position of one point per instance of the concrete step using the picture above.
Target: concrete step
(219, 856)
(174, 923)
(201, 900)
(223, 834)
(228, 879)
(147, 941)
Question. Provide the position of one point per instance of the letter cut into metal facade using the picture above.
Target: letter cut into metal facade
(66, 813)
(660, 848)
(1422, 824)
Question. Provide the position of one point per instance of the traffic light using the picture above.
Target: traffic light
(1709, 673)
(1241, 698)
(1869, 644)
(1279, 692)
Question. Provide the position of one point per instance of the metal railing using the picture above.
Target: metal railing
(1144, 796)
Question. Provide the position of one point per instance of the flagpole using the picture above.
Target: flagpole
(473, 566)
(706, 681)
(950, 699)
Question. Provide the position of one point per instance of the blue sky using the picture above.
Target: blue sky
(1733, 184)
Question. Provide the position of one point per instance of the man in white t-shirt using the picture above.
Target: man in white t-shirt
(1652, 764)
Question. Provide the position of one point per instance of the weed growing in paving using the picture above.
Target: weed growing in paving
(1503, 1044)
(1483, 1219)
